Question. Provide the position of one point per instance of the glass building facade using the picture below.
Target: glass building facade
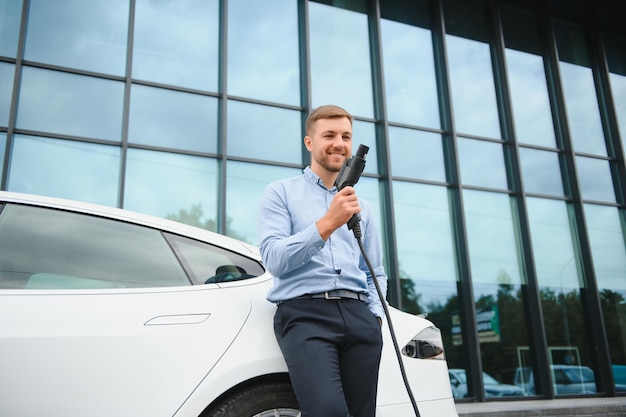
(497, 134)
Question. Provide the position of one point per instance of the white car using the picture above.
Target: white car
(105, 312)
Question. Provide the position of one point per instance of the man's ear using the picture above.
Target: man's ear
(307, 143)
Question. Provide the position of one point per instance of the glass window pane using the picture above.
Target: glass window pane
(498, 281)
(607, 234)
(425, 242)
(76, 105)
(595, 179)
(264, 132)
(10, 18)
(410, 84)
(6, 91)
(583, 114)
(364, 133)
(541, 172)
(529, 99)
(616, 60)
(177, 187)
(482, 163)
(472, 87)
(560, 286)
(48, 248)
(177, 43)
(91, 36)
(416, 154)
(68, 169)
(263, 54)
(246, 183)
(340, 74)
(527, 79)
(172, 119)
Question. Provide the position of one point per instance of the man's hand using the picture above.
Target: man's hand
(344, 205)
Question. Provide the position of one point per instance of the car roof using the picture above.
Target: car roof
(132, 217)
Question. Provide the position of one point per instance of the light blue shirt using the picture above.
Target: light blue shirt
(296, 255)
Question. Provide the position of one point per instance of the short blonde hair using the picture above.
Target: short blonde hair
(328, 111)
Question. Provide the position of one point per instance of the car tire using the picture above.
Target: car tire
(267, 400)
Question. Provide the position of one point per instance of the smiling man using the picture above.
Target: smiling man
(328, 318)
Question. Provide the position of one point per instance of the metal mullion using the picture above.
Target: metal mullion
(466, 293)
(222, 118)
(534, 315)
(589, 294)
(384, 155)
(608, 114)
(305, 71)
(126, 107)
(17, 79)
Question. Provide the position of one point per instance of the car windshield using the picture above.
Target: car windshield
(579, 375)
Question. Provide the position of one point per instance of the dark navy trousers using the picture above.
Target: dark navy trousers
(332, 349)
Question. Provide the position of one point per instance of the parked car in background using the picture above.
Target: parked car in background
(566, 379)
(105, 312)
(493, 387)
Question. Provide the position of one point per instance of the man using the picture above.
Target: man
(329, 315)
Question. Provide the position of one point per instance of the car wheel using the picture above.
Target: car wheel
(267, 400)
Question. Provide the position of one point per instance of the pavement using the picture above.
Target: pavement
(579, 407)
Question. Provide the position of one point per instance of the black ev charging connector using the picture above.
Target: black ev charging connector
(348, 176)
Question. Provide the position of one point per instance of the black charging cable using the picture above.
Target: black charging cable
(348, 176)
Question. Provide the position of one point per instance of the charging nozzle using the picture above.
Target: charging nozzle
(349, 175)
(353, 168)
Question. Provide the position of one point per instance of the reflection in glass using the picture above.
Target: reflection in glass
(618, 87)
(245, 184)
(177, 42)
(90, 36)
(541, 172)
(75, 105)
(527, 79)
(416, 154)
(410, 84)
(3, 146)
(9, 26)
(472, 87)
(340, 59)
(263, 56)
(492, 240)
(595, 179)
(263, 132)
(579, 89)
(67, 169)
(529, 99)
(482, 163)
(607, 234)
(179, 187)
(560, 285)
(6, 91)
(614, 47)
(368, 189)
(498, 281)
(172, 119)
(425, 245)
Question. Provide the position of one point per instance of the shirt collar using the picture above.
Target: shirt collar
(311, 176)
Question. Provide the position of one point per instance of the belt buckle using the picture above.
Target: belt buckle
(329, 297)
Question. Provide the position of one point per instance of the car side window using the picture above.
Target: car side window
(209, 264)
(43, 248)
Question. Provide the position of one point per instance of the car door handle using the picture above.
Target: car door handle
(177, 319)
